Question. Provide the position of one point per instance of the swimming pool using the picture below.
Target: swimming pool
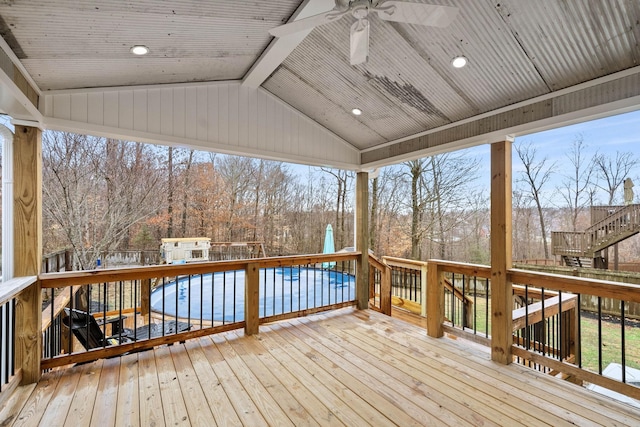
(219, 297)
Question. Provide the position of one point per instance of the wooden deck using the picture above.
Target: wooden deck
(345, 367)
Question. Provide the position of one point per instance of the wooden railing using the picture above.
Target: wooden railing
(10, 360)
(379, 285)
(622, 223)
(58, 261)
(408, 284)
(547, 322)
(166, 296)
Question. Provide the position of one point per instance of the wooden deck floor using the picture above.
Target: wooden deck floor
(346, 367)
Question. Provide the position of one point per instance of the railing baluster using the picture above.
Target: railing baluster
(622, 344)
(560, 332)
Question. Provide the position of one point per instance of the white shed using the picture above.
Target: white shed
(185, 249)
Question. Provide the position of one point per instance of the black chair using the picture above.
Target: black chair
(87, 329)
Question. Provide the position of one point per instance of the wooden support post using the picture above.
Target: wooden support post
(251, 299)
(362, 239)
(435, 300)
(501, 261)
(27, 247)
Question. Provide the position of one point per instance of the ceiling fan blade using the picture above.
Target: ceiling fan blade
(417, 13)
(360, 41)
(307, 23)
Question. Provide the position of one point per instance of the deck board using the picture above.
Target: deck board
(340, 368)
(150, 400)
(245, 408)
(269, 408)
(128, 406)
(481, 396)
(38, 401)
(194, 396)
(560, 395)
(105, 405)
(81, 408)
(217, 398)
(248, 350)
(173, 406)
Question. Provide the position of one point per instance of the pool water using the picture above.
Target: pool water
(220, 296)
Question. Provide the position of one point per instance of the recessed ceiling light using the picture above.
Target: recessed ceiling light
(139, 50)
(459, 61)
(356, 111)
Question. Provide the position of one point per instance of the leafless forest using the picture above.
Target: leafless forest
(101, 194)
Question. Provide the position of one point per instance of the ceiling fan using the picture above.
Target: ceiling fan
(397, 11)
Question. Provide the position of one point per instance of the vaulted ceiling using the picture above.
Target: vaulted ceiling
(532, 65)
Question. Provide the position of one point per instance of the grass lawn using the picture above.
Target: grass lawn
(611, 342)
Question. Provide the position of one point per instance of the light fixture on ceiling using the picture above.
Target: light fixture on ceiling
(356, 111)
(459, 61)
(139, 50)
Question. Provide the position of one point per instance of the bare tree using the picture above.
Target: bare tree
(535, 176)
(416, 170)
(185, 193)
(611, 172)
(577, 182)
(96, 190)
(386, 215)
(344, 182)
(522, 225)
(236, 173)
(450, 173)
(170, 190)
(437, 188)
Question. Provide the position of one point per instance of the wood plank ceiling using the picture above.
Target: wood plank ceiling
(518, 51)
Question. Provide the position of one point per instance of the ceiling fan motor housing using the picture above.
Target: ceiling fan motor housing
(360, 9)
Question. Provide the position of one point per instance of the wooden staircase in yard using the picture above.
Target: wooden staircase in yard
(610, 225)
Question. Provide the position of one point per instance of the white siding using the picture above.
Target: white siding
(221, 117)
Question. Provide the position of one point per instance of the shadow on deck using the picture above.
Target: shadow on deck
(344, 367)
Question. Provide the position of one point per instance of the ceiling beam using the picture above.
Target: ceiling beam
(280, 48)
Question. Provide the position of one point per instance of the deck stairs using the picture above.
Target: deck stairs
(610, 225)
(574, 261)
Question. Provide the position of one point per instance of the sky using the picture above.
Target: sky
(606, 136)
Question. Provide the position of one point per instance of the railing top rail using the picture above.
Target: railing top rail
(75, 278)
(571, 233)
(596, 287)
(478, 270)
(12, 287)
(377, 263)
(235, 243)
(404, 263)
(617, 214)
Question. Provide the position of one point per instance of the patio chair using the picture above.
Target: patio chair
(87, 330)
